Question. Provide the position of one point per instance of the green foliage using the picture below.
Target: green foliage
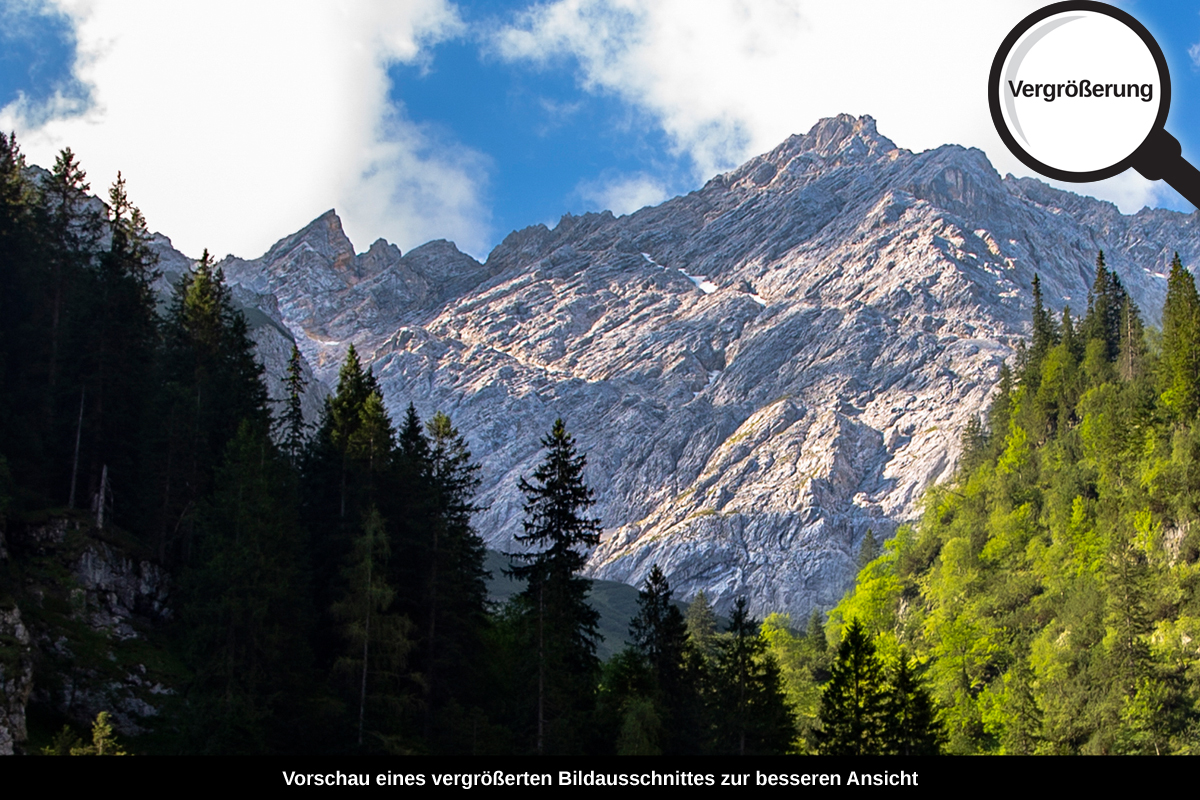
(104, 742)
(244, 604)
(378, 640)
(853, 703)
(211, 384)
(750, 707)
(701, 623)
(803, 665)
(1044, 588)
(291, 422)
(1180, 379)
(561, 624)
(660, 635)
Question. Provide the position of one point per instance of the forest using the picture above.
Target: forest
(1049, 593)
(322, 589)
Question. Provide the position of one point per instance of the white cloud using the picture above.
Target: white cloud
(729, 79)
(235, 123)
(623, 194)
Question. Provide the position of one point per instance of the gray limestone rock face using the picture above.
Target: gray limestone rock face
(759, 372)
(87, 621)
(16, 678)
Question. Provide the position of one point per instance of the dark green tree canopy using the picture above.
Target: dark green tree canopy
(563, 624)
(854, 702)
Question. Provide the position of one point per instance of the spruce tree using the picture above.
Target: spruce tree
(456, 580)
(868, 551)
(815, 632)
(853, 703)
(1045, 335)
(374, 663)
(348, 468)
(212, 382)
(1181, 344)
(1105, 300)
(117, 358)
(751, 711)
(292, 427)
(911, 726)
(245, 604)
(702, 625)
(660, 634)
(563, 624)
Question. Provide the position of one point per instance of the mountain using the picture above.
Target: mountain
(760, 371)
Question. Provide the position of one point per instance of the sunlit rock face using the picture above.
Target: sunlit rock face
(759, 372)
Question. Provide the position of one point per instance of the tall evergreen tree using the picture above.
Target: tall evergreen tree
(1180, 379)
(563, 624)
(374, 664)
(293, 428)
(24, 325)
(660, 635)
(244, 605)
(347, 470)
(1045, 334)
(911, 726)
(456, 580)
(752, 714)
(212, 382)
(1105, 301)
(72, 228)
(118, 358)
(702, 625)
(854, 702)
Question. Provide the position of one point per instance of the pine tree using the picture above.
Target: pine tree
(660, 635)
(1131, 360)
(22, 337)
(293, 428)
(1045, 335)
(868, 551)
(853, 704)
(245, 604)
(911, 726)
(815, 632)
(564, 626)
(702, 625)
(378, 639)
(752, 713)
(348, 468)
(1105, 300)
(117, 357)
(212, 382)
(1181, 344)
(72, 231)
(455, 577)
(659, 630)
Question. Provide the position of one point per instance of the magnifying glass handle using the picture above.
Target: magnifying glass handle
(1160, 158)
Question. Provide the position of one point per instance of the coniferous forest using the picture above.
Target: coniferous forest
(322, 589)
(1051, 592)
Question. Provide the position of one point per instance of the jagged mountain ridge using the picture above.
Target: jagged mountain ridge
(759, 371)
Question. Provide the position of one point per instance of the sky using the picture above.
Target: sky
(237, 123)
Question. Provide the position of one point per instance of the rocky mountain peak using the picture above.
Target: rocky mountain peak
(833, 142)
(844, 134)
(760, 371)
(323, 238)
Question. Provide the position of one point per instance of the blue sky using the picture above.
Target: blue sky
(235, 124)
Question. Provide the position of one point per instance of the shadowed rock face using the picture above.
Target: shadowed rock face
(759, 371)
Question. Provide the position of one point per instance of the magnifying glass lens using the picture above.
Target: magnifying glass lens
(1080, 91)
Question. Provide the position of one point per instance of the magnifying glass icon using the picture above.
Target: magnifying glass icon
(1079, 91)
